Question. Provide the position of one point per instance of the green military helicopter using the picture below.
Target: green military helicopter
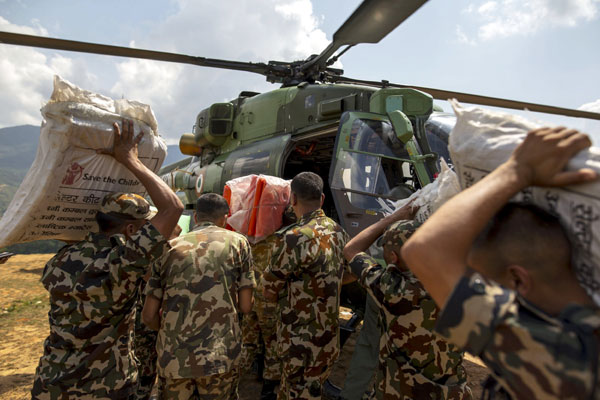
(372, 142)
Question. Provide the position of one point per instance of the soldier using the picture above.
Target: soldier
(414, 362)
(307, 269)
(144, 341)
(539, 332)
(93, 288)
(206, 279)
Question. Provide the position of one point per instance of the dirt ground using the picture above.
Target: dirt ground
(24, 326)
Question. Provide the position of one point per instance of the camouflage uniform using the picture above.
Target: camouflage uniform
(199, 339)
(262, 321)
(308, 263)
(144, 345)
(533, 355)
(93, 290)
(414, 362)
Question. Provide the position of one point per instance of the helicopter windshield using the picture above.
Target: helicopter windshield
(376, 168)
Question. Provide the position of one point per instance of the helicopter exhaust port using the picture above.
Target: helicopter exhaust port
(189, 146)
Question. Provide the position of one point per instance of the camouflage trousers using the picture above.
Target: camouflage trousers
(261, 323)
(400, 380)
(299, 382)
(69, 390)
(144, 346)
(212, 387)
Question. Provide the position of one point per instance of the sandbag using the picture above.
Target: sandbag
(256, 204)
(62, 190)
(481, 140)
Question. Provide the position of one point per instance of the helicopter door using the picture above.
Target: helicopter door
(370, 171)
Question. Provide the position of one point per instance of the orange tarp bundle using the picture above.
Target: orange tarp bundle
(256, 204)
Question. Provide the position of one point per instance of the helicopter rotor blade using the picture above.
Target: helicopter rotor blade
(369, 23)
(440, 94)
(85, 47)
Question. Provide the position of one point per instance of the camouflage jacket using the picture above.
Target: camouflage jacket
(198, 284)
(261, 254)
(93, 290)
(307, 265)
(533, 355)
(414, 362)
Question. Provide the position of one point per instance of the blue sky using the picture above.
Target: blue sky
(542, 51)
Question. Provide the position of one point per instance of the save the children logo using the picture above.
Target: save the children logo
(73, 174)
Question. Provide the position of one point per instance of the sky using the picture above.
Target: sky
(541, 51)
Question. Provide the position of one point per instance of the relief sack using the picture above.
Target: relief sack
(63, 189)
(482, 140)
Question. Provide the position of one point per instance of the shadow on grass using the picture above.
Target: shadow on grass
(20, 382)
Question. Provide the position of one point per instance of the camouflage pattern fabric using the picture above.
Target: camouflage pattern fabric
(251, 341)
(126, 205)
(262, 321)
(93, 289)
(144, 347)
(533, 355)
(299, 382)
(213, 387)
(198, 284)
(307, 267)
(414, 362)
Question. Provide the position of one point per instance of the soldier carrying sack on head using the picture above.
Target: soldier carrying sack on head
(307, 267)
(93, 288)
(414, 362)
(539, 333)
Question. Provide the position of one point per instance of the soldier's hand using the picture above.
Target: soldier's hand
(407, 211)
(125, 143)
(542, 157)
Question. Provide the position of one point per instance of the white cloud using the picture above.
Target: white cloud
(500, 19)
(594, 106)
(252, 30)
(26, 77)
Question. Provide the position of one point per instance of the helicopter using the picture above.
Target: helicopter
(371, 142)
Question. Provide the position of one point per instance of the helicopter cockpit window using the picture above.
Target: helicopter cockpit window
(376, 168)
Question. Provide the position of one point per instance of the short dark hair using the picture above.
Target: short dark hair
(526, 235)
(308, 186)
(211, 206)
(109, 222)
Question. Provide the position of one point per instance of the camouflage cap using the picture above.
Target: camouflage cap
(126, 204)
(398, 233)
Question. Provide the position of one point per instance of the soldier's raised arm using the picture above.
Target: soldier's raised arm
(125, 151)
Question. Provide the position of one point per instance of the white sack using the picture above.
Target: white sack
(432, 196)
(482, 139)
(62, 190)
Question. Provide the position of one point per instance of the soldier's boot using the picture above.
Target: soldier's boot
(268, 390)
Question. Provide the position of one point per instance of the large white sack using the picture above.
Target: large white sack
(482, 139)
(63, 188)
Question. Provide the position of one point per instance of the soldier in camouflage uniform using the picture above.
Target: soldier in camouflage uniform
(414, 362)
(93, 289)
(205, 281)
(144, 342)
(539, 333)
(307, 267)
